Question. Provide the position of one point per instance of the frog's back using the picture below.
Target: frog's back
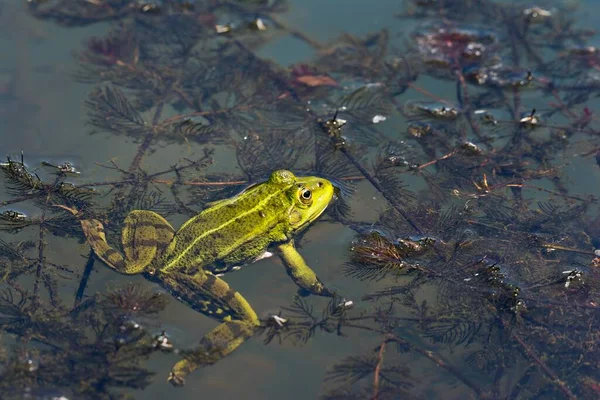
(232, 232)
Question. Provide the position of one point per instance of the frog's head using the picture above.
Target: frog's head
(310, 196)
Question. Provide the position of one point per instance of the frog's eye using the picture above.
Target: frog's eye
(305, 196)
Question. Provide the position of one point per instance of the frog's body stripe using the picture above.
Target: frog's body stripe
(229, 295)
(95, 238)
(210, 282)
(206, 215)
(114, 258)
(143, 224)
(248, 239)
(235, 330)
(146, 242)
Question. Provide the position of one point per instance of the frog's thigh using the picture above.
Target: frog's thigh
(145, 234)
(299, 271)
(211, 296)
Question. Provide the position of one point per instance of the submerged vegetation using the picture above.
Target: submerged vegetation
(484, 266)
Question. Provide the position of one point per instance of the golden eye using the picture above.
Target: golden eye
(305, 196)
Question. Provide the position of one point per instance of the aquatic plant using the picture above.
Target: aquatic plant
(488, 270)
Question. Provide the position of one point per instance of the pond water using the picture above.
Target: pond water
(463, 232)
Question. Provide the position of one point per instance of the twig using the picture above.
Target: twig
(429, 94)
(445, 156)
(89, 267)
(296, 33)
(381, 190)
(549, 373)
(440, 362)
(16, 200)
(376, 376)
(40, 258)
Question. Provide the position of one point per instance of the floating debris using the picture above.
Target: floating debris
(378, 118)
(65, 168)
(162, 342)
(434, 109)
(530, 120)
(13, 215)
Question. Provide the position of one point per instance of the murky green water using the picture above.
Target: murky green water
(42, 113)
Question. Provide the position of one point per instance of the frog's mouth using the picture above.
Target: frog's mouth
(333, 196)
(321, 211)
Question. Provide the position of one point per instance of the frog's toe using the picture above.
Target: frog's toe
(176, 380)
(317, 288)
(326, 292)
(320, 289)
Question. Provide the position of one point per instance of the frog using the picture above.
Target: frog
(226, 235)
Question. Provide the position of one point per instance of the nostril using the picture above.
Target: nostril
(319, 184)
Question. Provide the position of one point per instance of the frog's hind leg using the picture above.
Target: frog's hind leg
(145, 235)
(211, 296)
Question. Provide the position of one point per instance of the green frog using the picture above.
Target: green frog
(228, 234)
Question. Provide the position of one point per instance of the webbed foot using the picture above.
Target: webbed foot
(175, 379)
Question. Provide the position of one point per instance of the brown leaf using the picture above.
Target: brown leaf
(316, 80)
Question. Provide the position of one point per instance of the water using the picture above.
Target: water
(42, 113)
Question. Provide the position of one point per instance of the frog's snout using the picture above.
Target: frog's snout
(327, 191)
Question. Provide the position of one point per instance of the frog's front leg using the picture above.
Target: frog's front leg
(300, 272)
(213, 297)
